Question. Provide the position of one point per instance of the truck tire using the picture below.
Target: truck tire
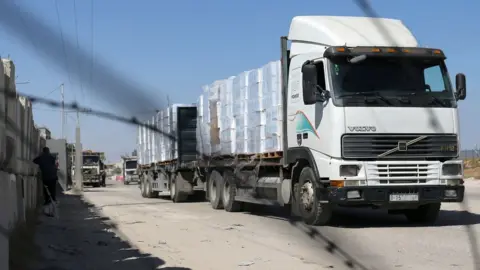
(125, 182)
(143, 189)
(175, 192)
(149, 193)
(426, 214)
(215, 190)
(310, 209)
(229, 192)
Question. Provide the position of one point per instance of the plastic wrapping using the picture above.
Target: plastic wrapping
(239, 115)
(249, 107)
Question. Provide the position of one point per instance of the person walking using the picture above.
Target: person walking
(48, 169)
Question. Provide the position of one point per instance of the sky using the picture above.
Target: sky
(162, 48)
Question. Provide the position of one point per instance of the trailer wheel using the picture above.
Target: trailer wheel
(311, 210)
(215, 190)
(175, 192)
(143, 189)
(229, 192)
(149, 189)
(426, 214)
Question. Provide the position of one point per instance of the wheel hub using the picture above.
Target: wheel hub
(307, 196)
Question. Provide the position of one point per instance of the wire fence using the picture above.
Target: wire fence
(127, 93)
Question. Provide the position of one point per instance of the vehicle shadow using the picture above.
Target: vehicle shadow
(81, 238)
(368, 218)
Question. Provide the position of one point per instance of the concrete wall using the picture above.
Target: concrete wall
(20, 142)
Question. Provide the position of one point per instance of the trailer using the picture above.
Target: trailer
(353, 128)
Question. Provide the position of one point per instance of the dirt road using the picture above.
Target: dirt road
(159, 234)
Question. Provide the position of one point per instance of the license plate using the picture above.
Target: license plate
(403, 197)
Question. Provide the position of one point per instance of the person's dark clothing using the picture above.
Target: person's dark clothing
(48, 169)
(49, 192)
(47, 165)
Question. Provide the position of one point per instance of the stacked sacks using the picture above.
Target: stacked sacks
(209, 120)
(240, 112)
(203, 132)
(161, 140)
(272, 86)
(249, 109)
(227, 123)
(140, 154)
(256, 113)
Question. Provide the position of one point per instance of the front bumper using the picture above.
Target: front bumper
(91, 180)
(133, 179)
(376, 195)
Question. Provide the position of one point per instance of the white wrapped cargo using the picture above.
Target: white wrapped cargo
(227, 121)
(154, 137)
(240, 112)
(249, 108)
(272, 84)
(139, 145)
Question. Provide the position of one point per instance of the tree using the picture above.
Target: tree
(117, 170)
(134, 153)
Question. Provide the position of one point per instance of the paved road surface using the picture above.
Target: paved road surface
(194, 236)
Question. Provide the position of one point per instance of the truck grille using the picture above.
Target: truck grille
(407, 173)
(369, 146)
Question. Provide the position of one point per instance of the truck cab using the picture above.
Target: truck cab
(93, 169)
(130, 173)
(371, 119)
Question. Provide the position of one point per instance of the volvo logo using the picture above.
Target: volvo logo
(362, 129)
(402, 146)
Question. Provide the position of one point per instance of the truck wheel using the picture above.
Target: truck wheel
(229, 192)
(215, 190)
(426, 214)
(143, 188)
(175, 192)
(311, 210)
(125, 183)
(149, 190)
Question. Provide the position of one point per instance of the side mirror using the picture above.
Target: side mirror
(310, 80)
(461, 85)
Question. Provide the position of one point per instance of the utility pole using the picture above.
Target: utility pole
(63, 110)
(78, 157)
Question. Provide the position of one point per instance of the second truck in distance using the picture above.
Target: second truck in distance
(93, 170)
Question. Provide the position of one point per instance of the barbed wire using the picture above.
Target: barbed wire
(114, 82)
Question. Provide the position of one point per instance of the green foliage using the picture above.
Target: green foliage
(117, 171)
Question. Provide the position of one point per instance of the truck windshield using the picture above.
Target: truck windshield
(91, 160)
(388, 81)
(131, 164)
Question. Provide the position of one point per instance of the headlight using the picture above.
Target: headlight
(349, 170)
(452, 169)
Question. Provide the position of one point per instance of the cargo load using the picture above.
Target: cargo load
(240, 115)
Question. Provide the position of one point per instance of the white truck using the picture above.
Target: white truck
(367, 121)
(130, 173)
